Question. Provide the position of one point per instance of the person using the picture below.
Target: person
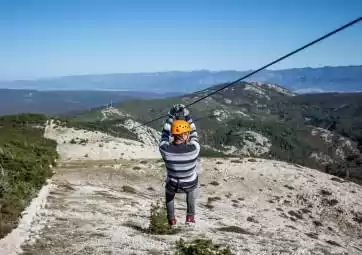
(180, 157)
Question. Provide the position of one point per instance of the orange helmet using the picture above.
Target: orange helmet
(179, 127)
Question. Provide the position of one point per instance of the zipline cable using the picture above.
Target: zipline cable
(265, 66)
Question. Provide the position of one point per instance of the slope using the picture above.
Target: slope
(265, 120)
(100, 204)
(255, 207)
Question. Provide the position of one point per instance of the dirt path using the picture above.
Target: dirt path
(270, 208)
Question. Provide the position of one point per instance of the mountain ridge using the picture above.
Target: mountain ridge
(321, 131)
(327, 79)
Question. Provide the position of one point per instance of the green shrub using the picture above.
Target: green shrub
(201, 247)
(111, 127)
(209, 153)
(25, 159)
(159, 222)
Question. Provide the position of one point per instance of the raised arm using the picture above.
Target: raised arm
(193, 134)
(178, 111)
(166, 132)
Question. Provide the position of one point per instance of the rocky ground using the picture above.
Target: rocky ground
(101, 205)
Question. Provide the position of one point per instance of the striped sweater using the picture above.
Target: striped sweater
(180, 159)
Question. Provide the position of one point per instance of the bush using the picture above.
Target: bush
(200, 247)
(25, 159)
(209, 153)
(159, 222)
(111, 127)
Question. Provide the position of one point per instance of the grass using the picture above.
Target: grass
(201, 247)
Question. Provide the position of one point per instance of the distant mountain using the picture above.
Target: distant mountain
(14, 101)
(300, 80)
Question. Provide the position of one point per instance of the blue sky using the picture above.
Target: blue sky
(55, 38)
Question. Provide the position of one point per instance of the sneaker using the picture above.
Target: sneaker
(190, 219)
(172, 222)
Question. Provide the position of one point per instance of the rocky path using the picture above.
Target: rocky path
(254, 206)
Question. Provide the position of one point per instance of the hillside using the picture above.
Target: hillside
(324, 79)
(26, 159)
(255, 119)
(15, 101)
(105, 203)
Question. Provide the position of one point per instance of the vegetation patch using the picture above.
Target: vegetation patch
(209, 206)
(214, 183)
(337, 179)
(295, 214)
(330, 202)
(237, 161)
(25, 159)
(252, 160)
(201, 247)
(129, 189)
(357, 217)
(67, 186)
(111, 127)
(158, 221)
(331, 242)
(325, 192)
(288, 187)
(305, 210)
(212, 199)
(235, 229)
(312, 235)
(252, 219)
(317, 223)
(209, 153)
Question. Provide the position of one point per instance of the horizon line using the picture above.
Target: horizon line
(169, 71)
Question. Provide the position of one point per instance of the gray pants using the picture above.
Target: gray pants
(190, 201)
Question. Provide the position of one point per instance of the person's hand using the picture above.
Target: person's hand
(179, 111)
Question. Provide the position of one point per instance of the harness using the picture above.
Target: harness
(179, 189)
